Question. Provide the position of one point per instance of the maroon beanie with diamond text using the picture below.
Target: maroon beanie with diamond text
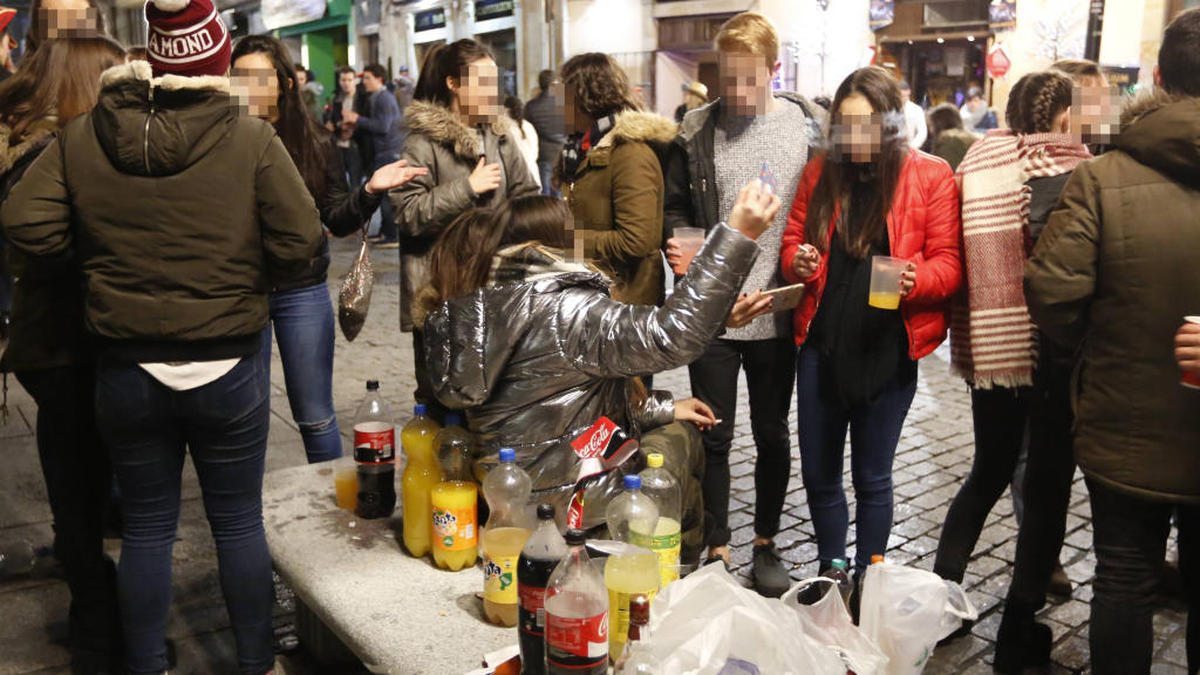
(187, 37)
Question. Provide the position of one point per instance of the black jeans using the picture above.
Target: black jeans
(387, 228)
(1001, 417)
(770, 373)
(1131, 541)
(78, 479)
(223, 425)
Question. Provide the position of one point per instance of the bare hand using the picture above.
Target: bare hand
(806, 262)
(485, 177)
(748, 308)
(908, 280)
(329, 126)
(754, 210)
(1187, 348)
(392, 176)
(674, 252)
(695, 411)
(349, 117)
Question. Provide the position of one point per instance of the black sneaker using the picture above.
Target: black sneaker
(769, 572)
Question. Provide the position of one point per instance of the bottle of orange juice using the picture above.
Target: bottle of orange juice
(420, 476)
(455, 517)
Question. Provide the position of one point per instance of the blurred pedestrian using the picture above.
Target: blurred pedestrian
(506, 304)
(301, 311)
(458, 130)
(1019, 383)
(948, 139)
(545, 113)
(914, 118)
(526, 136)
(48, 352)
(870, 195)
(166, 169)
(695, 94)
(381, 123)
(976, 115)
(405, 86)
(721, 146)
(310, 91)
(1112, 277)
(348, 98)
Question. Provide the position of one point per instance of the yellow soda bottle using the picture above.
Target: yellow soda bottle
(635, 572)
(665, 538)
(420, 476)
(455, 498)
(507, 489)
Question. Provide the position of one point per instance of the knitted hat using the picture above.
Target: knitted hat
(187, 37)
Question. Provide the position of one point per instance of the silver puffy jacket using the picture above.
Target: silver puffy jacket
(534, 364)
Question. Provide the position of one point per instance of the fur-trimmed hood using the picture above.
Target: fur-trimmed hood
(636, 126)
(35, 138)
(155, 126)
(442, 126)
(1162, 131)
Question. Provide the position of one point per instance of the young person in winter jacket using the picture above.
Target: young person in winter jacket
(354, 146)
(544, 112)
(48, 353)
(457, 129)
(1111, 279)
(870, 195)
(182, 214)
(721, 146)
(301, 311)
(1010, 183)
(612, 178)
(533, 347)
(380, 126)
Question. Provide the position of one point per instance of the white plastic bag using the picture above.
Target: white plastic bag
(828, 622)
(906, 611)
(707, 624)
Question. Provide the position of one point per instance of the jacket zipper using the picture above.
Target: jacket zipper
(146, 132)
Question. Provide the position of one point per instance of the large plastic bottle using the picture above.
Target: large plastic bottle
(375, 455)
(455, 513)
(542, 553)
(630, 574)
(665, 539)
(506, 490)
(576, 614)
(421, 474)
(453, 447)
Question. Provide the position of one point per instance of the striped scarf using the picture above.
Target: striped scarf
(993, 339)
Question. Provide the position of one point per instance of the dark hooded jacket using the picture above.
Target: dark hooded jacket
(1112, 276)
(181, 213)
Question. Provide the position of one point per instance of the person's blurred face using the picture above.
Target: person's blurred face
(301, 78)
(478, 90)
(371, 83)
(975, 103)
(348, 82)
(68, 18)
(857, 130)
(1095, 113)
(745, 82)
(907, 93)
(254, 81)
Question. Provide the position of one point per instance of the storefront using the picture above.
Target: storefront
(494, 24)
(939, 48)
(319, 33)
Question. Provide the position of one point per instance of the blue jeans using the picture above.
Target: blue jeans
(304, 328)
(546, 169)
(147, 428)
(874, 433)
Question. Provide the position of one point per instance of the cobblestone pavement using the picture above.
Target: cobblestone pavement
(933, 457)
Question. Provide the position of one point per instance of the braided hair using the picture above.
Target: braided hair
(1043, 97)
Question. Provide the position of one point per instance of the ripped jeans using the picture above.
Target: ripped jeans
(304, 328)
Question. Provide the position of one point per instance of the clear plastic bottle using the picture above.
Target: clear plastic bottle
(659, 485)
(453, 444)
(375, 455)
(542, 553)
(455, 512)
(506, 490)
(576, 614)
(421, 474)
(637, 658)
(630, 574)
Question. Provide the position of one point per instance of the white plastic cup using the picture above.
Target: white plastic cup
(885, 281)
(691, 240)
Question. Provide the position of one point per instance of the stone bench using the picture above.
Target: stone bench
(395, 613)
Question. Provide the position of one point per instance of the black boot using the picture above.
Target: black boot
(1021, 643)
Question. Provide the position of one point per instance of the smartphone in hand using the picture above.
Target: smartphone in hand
(787, 297)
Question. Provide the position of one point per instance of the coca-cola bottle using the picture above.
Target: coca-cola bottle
(375, 455)
(542, 553)
(576, 614)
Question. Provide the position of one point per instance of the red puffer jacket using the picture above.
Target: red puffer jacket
(924, 226)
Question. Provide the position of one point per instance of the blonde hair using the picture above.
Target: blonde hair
(750, 33)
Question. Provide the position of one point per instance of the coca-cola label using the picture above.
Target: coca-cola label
(593, 442)
(374, 443)
(586, 638)
(575, 510)
(533, 608)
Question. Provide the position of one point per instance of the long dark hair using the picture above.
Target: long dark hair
(305, 141)
(600, 85)
(61, 78)
(462, 257)
(516, 110)
(832, 193)
(1040, 98)
(446, 61)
